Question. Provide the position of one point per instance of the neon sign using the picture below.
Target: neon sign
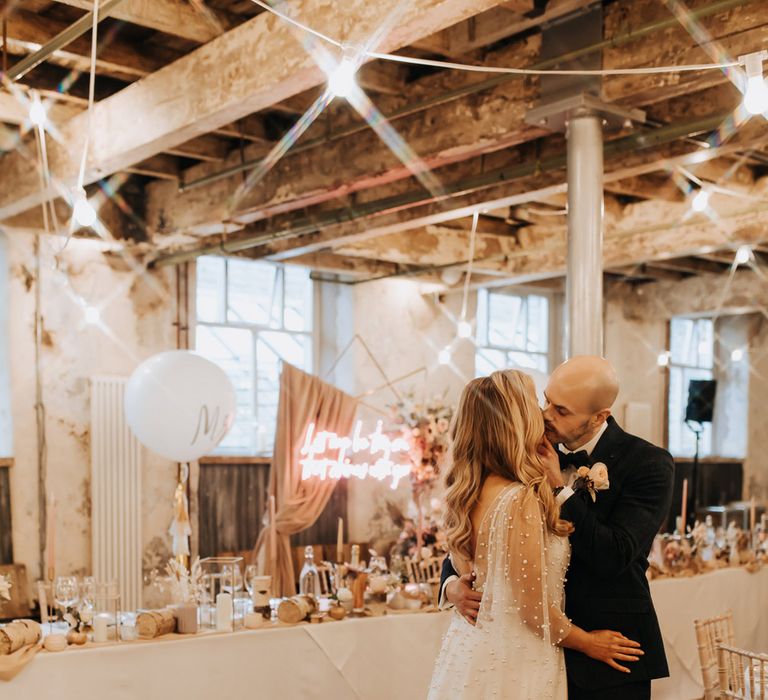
(318, 458)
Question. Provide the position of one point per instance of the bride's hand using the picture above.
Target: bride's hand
(548, 455)
(609, 647)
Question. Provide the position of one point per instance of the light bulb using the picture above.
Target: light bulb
(701, 201)
(37, 113)
(756, 96)
(342, 81)
(743, 255)
(464, 329)
(83, 212)
(444, 356)
(756, 92)
(92, 315)
(737, 355)
(663, 359)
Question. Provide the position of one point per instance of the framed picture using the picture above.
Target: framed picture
(18, 606)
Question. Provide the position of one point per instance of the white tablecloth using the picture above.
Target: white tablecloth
(377, 658)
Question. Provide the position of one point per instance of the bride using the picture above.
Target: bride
(503, 524)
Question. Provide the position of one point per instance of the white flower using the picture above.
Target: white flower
(5, 587)
(599, 475)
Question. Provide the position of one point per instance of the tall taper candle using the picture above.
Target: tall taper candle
(752, 522)
(272, 538)
(684, 506)
(340, 543)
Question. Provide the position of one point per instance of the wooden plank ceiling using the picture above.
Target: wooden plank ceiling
(189, 90)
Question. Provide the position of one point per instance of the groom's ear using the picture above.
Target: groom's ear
(600, 417)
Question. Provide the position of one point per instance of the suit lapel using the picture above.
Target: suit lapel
(607, 451)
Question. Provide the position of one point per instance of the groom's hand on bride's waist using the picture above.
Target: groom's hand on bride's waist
(460, 594)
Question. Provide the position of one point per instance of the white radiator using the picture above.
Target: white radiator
(115, 492)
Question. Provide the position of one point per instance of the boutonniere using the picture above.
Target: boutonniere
(592, 479)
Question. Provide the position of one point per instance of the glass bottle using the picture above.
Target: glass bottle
(309, 580)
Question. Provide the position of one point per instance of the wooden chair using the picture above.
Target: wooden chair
(707, 633)
(742, 674)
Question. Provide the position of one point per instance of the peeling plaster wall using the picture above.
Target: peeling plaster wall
(138, 313)
(404, 331)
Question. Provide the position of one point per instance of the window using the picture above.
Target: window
(250, 316)
(692, 356)
(512, 331)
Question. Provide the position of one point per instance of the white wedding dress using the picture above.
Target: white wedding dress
(512, 652)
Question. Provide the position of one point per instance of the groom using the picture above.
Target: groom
(606, 586)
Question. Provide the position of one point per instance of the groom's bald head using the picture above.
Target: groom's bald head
(580, 394)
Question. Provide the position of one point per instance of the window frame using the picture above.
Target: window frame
(256, 330)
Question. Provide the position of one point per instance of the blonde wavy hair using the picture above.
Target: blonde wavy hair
(496, 430)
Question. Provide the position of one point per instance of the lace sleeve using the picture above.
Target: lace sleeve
(518, 560)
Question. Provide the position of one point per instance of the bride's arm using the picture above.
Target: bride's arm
(526, 570)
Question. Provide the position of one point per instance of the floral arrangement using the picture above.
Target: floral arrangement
(592, 479)
(186, 585)
(425, 426)
(77, 619)
(5, 587)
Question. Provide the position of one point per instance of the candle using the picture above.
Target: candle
(355, 558)
(340, 543)
(50, 550)
(43, 598)
(224, 612)
(752, 521)
(272, 537)
(100, 628)
(684, 507)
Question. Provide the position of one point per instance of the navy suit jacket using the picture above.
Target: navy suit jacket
(606, 585)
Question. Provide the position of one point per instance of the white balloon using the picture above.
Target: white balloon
(179, 405)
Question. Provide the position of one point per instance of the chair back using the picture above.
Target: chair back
(742, 674)
(708, 631)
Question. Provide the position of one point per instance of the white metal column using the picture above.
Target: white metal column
(584, 281)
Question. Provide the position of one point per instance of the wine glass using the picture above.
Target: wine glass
(251, 572)
(65, 591)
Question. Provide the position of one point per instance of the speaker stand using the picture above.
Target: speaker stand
(693, 492)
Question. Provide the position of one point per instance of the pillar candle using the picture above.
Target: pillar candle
(100, 628)
(684, 506)
(224, 612)
(340, 543)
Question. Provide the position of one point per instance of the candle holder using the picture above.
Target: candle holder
(107, 606)
(221, 577)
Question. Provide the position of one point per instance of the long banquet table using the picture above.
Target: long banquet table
(377, 658)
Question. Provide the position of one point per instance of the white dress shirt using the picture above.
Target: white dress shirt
(569, 475)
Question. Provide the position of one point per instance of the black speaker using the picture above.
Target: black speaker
(701, 400)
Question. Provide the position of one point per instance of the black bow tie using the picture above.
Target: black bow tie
(575, 459)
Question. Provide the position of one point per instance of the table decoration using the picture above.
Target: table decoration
(296, 609)
(220, 575)
(18, 634)
(55, 642)
(186, 586)
(153, 623)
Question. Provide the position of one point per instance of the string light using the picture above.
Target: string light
(92, 315)
(341, 82)
(663, 359)
(83, 211)
(444, 356)
(700, 202)
(37, 114)
(464, 329)
(756, 92)
(743, 255)
(737, 355)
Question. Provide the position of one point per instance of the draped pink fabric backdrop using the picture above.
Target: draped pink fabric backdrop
(304, 399)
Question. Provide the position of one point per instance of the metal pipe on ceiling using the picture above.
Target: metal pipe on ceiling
(312, 224)
(65, 37)
(450, 95)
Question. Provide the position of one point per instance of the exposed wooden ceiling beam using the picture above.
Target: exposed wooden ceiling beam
(192, 97)
(161, 166)
(175, 17)
(497, 122)
(28, 31)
